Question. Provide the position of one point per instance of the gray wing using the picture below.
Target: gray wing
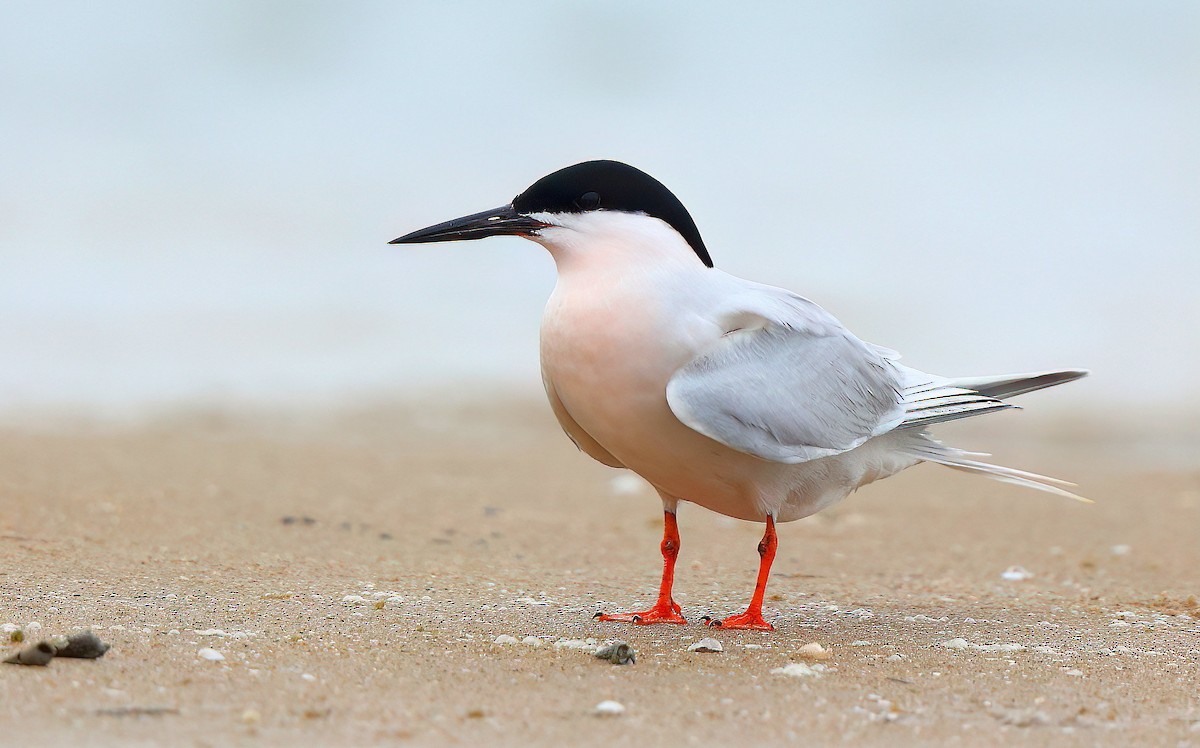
(787, 383)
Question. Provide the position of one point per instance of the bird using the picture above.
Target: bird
(743, 398)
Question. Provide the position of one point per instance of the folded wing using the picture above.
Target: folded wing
(788, 383)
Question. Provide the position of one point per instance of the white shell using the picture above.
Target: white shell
(814, 651)
(609, 708)
(707, 645)
(1016, 574)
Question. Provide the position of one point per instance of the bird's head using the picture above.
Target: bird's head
(572, 206)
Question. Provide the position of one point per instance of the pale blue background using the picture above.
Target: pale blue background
(195, 197)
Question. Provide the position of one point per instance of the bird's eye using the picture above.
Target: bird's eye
(588, 201)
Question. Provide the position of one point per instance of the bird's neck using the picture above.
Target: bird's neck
(604, 243)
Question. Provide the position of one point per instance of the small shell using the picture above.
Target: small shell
(813, 651)
(707, 645)
(1016, 574)
(618, 653)
(609, 709)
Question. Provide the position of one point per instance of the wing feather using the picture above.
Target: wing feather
(787, 383)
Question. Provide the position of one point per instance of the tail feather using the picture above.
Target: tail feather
(930, 399)
(927, 416)
(928, 449)
(1011, 385)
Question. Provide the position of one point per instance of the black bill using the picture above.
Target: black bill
(504, 221)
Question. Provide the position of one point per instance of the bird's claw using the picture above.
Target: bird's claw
(656, 614)
(747, 621)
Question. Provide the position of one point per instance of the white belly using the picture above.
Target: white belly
(604, 357)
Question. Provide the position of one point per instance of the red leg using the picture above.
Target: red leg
(665, 610)
(753, 618)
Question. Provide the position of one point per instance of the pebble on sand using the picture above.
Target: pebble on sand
(210, 654)
(84, 645)
(799, 670)
(505, 639)
(814, 651)
(958, 643)
(531, 641)
(38, 655)
(609, 709)
(618, 653)
(1008, 647)
(706, 645)
(1016, 574)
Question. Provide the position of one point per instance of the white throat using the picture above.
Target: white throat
(613, 239)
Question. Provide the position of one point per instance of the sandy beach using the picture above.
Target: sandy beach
(354, 569)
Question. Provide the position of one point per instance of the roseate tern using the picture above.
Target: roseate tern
(740, 397)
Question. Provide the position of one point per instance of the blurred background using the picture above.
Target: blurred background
(195, 197)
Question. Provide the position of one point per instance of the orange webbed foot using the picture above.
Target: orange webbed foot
(658, 614)
(742, 621)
